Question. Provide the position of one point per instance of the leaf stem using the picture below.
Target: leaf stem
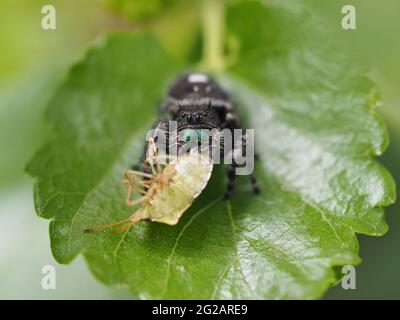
(213, 28)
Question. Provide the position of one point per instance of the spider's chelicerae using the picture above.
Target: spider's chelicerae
(195, 101)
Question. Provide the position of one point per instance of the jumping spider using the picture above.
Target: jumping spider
(195, 102)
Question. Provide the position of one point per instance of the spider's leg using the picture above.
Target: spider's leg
(254, 183)
(169, 106)
(253, 179)
(231, 181)
(231, 121)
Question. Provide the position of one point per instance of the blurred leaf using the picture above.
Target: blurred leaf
(317, 134)
(176, 23)
(31, 65)
(374, 42)
(22, 128)
(78, 22)
(140, 10)
(178, 30)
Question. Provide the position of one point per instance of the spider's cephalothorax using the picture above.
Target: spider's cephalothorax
(195, 101)
(195, 94)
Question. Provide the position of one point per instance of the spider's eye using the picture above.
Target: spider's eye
(197, 118)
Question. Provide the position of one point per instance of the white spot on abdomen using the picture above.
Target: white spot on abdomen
(198, 77)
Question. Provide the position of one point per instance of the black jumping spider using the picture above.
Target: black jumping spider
(195, 101)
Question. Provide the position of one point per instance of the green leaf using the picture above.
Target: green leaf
(140, 10)
(317, 133)
(175, 23)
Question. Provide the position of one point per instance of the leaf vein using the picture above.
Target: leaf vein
(168, 269)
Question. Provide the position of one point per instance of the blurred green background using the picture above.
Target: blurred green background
(32, 63)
